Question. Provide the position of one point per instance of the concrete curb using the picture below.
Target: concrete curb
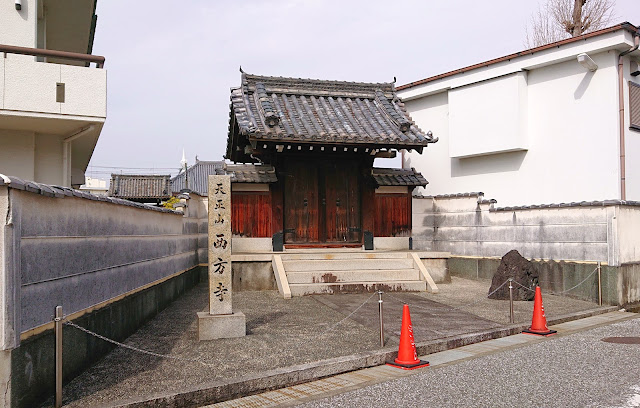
(220, 391)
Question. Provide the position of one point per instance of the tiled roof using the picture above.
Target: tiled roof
(603, 203)
(398, 177)
(197, 177)
(250, 173)
(140, 187)
(455, 195)
(240, 173)
(294, 110)
(62, 192)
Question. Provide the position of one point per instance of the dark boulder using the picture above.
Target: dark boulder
(513, 265)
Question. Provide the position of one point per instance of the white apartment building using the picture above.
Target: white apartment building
(553, 124)
(53, 93)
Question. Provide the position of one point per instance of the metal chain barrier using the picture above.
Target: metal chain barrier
(350, 314)
(430, 310)
(187, 360)
(191, 360)
(564, 291)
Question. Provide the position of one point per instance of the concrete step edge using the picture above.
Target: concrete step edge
(353, 276)
(327, 256)
(357, 283)
(342, 265)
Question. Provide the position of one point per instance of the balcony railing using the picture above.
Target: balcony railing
(39, 52)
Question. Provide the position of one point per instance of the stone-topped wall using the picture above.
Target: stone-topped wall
(469, 225)
(78, 253)
(566, 238)
(111, 264)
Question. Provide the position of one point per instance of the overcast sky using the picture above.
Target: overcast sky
(171, 63)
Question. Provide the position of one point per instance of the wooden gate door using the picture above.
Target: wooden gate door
(342, 202)
(322, 202)
(301, 221)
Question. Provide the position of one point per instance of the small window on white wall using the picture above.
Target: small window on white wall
(634, 105)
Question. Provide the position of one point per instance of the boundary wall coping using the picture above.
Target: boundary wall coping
(61, 192)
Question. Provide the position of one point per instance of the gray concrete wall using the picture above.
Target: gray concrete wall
(33, 361)
(91, 255)
(557, 277)
(253, 276)
(628, 284)
(79, 252)
(468, 225)
(197, 212)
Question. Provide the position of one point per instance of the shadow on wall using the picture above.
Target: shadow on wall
(583, 85)
(493, 163)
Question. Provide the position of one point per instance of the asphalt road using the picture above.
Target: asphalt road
(578, 370)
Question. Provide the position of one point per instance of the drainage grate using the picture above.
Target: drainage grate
(622, 340)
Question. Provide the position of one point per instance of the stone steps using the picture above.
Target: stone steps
(352, 271)
(366, 275)
(348, 264)
(298, 289)
(329, 255)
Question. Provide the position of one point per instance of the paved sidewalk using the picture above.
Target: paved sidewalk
(327, 387)
(284, 333)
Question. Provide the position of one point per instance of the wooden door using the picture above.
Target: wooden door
(322, 202)
(342, 202)
(301, 223)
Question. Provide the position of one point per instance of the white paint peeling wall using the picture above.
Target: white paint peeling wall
(4, 210)
(559, 120)
(463, 227)
(6, 335)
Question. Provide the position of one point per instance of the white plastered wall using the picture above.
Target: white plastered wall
(18, 28)
(632, 137)
(572, 140)
(31, 156)
(17, 153)
(48, 159)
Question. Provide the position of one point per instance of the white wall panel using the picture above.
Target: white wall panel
(488, 117)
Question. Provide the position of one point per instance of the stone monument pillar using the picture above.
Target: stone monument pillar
(220, 322)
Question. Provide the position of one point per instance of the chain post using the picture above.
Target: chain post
(511, 319)
(600, 283)
(381, 318)
(58, 355)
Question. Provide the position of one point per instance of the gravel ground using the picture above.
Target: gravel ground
(462, 292)
(280, 333)
(577, 370)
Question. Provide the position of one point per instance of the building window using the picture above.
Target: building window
(634, 105)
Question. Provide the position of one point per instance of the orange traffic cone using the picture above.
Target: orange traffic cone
(407, 356)
(539, 321)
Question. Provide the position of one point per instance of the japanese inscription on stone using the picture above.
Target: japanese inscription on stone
(220, 245)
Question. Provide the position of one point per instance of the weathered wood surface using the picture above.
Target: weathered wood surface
(252, 214)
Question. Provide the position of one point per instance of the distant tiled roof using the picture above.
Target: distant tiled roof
(398, 177)
(250, 173)
(197, 177)
(62, 192)
(240, 173)
(294, 110)
(140, 187)
(454, 195)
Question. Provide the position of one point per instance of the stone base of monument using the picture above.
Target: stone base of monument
(211, 327)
